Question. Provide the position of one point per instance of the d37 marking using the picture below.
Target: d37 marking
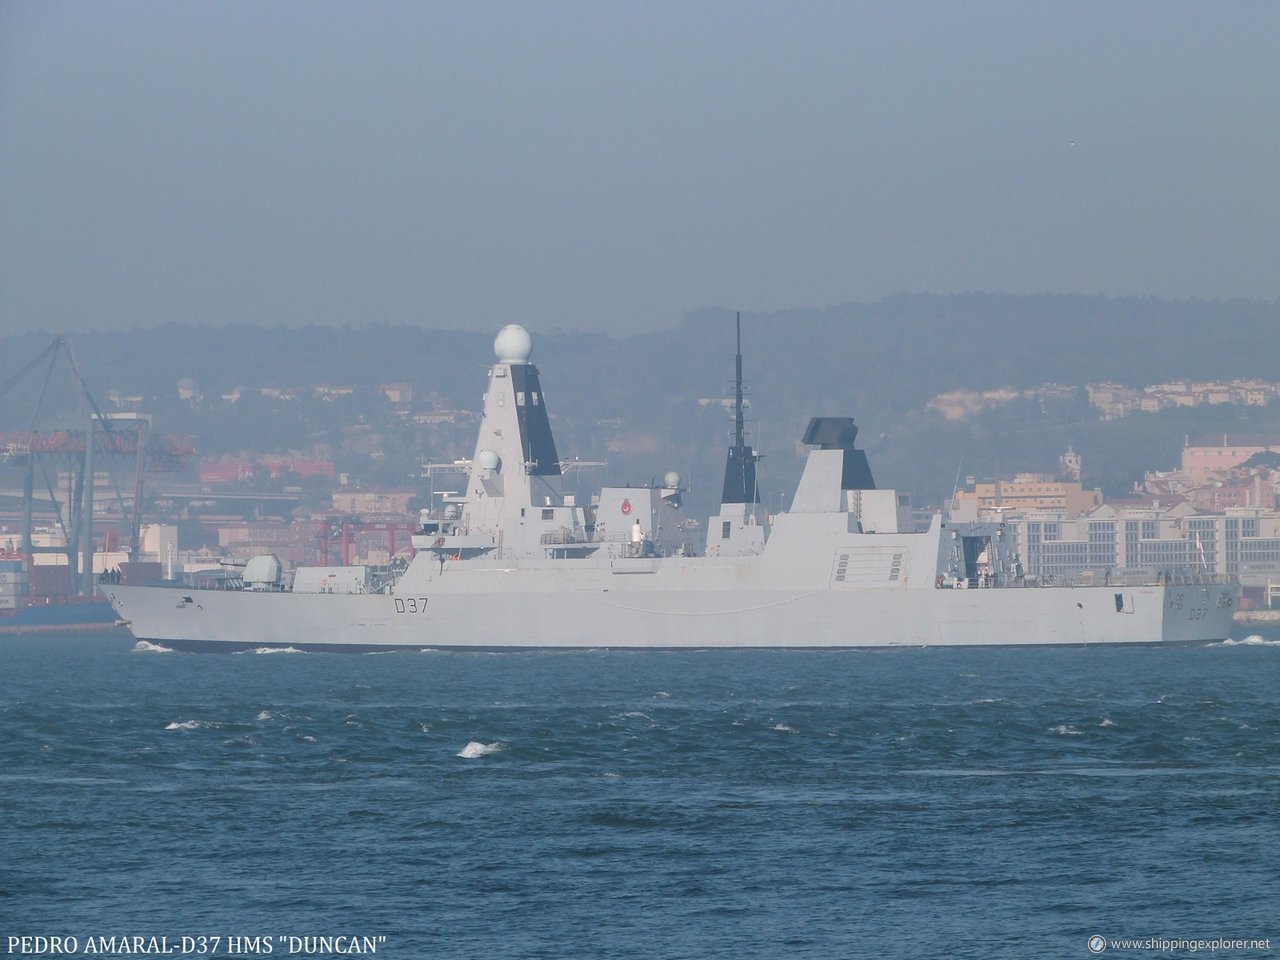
(411, 604)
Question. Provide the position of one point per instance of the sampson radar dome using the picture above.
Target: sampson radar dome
(672, 479)
(488, 460)
(512, 344)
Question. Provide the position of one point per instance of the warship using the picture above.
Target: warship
(514, 561)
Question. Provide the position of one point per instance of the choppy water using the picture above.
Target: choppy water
(604, 804)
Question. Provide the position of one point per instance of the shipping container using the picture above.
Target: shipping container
(50, 580)
(140, 572)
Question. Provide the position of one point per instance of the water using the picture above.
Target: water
(607, 804)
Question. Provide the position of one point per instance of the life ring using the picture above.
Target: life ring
(626, 507)
(439, 541)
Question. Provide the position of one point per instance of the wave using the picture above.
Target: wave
(192, 725)
(783, 728)
(1253, 640)
(476, 749)
(271, 650)
(1063, 730)
(145, 646)
(263, 715)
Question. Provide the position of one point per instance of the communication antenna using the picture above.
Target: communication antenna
(740, 467)
(738, 423)
(955, 488)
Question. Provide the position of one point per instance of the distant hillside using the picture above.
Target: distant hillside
(906, 348)
(879, 362)
(886, 355)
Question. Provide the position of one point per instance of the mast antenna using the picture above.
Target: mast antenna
(740, 468)
(738, 425)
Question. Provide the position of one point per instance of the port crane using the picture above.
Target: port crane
(103, 438)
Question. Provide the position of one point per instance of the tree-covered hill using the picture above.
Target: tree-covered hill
(879, 362)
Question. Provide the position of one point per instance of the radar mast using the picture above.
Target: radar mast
(740, 468)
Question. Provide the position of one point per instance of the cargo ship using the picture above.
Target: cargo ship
(25, 608)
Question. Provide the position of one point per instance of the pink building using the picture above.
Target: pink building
(1206, 456)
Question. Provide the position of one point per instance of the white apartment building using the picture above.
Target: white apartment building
(1241, 541)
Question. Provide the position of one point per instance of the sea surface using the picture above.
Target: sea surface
(922, 802)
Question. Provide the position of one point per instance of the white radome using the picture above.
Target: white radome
(672, 479)
(488, 460)
(513, 344)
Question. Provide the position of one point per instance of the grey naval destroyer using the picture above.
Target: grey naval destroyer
(513, 560)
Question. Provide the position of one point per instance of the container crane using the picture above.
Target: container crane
(105, 437)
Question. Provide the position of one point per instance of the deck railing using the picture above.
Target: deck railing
(1130, 579)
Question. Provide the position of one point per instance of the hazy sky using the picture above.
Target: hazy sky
(610, 166)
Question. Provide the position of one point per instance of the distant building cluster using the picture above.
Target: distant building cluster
(1178, 540)
(1221, 472)
(364, 502)
(247, 470)
(406, 403)
(1115, 400)
(963, 404)
(1216, 515)
(1112, 400)
(983, 499)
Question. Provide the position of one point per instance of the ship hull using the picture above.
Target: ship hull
(89, 615)
(512, 613)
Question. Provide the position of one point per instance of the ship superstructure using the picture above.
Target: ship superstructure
(515, 561)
